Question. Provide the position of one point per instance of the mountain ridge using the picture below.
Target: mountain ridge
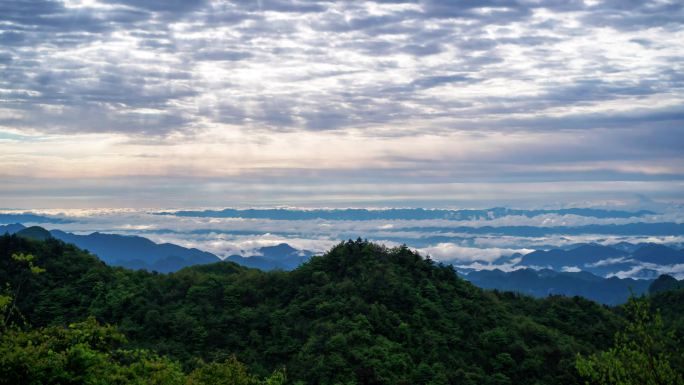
(359, 313)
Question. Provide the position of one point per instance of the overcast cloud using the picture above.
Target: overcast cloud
(189, 103)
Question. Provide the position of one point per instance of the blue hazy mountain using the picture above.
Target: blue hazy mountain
(120, 250)
(397, 214)
(658, 254)
(31, 218)
(665, 283)
(137, 252)
(638, 228)
(11, 228)
(279, 257)
(35, 233)
(578, 256)
(542, 283)
(605, 260)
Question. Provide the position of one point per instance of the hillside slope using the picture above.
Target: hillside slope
(359, 314)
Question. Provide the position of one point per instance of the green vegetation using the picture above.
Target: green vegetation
(361, 314)
(90, 353)
(643, 353)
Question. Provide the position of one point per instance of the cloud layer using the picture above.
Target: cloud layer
(338, 93)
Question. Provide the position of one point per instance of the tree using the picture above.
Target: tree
(640, 356)
(8, 300)
(230, 372)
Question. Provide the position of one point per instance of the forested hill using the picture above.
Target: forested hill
(360, 314)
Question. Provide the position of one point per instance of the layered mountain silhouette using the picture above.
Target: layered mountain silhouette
(122, 250)
(606, 260)
(584, 269)
(279, 257)
(11, 228)
(665, 283)
(30, 218)
(542, 283)
(412, 213)
(34, 232)
(135, 252)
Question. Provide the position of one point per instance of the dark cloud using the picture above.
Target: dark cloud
(137, 65)
(163, 6)
(220, 55)
(5, 58)
(635, 15)
(294, 6)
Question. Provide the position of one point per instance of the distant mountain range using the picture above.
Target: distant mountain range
(136, 252)
(582, 269)
(607, 260)
(279, 257)
(122, 250)
(545, 282)
(395, 214)
(30, 218)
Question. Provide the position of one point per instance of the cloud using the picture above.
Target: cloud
(415, 91)
(364, 38)
(452, 253)
(571, 269)
(226, 236)
(650, 271)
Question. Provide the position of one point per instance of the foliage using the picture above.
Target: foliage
(230, 372)
(8, 298)
(361, 314)
(83, 353)
(90, 353)
(642, 354)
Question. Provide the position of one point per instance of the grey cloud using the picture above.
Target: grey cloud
(501, 11)
(218, 55)
(12, 38)
(635, 15)
(35, 79)
(649, 119)
(163, 6)
(428, 82)
(422, 50)
(5, 58)
(295, 6)
(95, 118)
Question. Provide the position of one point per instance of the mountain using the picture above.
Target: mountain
(137, 252)
(658, 254)
(360, 313)
(401, 214)
(279, 257)
(625, 246)
(132, 252)
(11, 228)
(542, 283)
(665, 283)
(579, 256)
(30, 218)
(637, 260)
(34, 232)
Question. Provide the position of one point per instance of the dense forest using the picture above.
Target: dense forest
(360, 314)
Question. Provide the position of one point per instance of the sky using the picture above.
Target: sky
(428, 103)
